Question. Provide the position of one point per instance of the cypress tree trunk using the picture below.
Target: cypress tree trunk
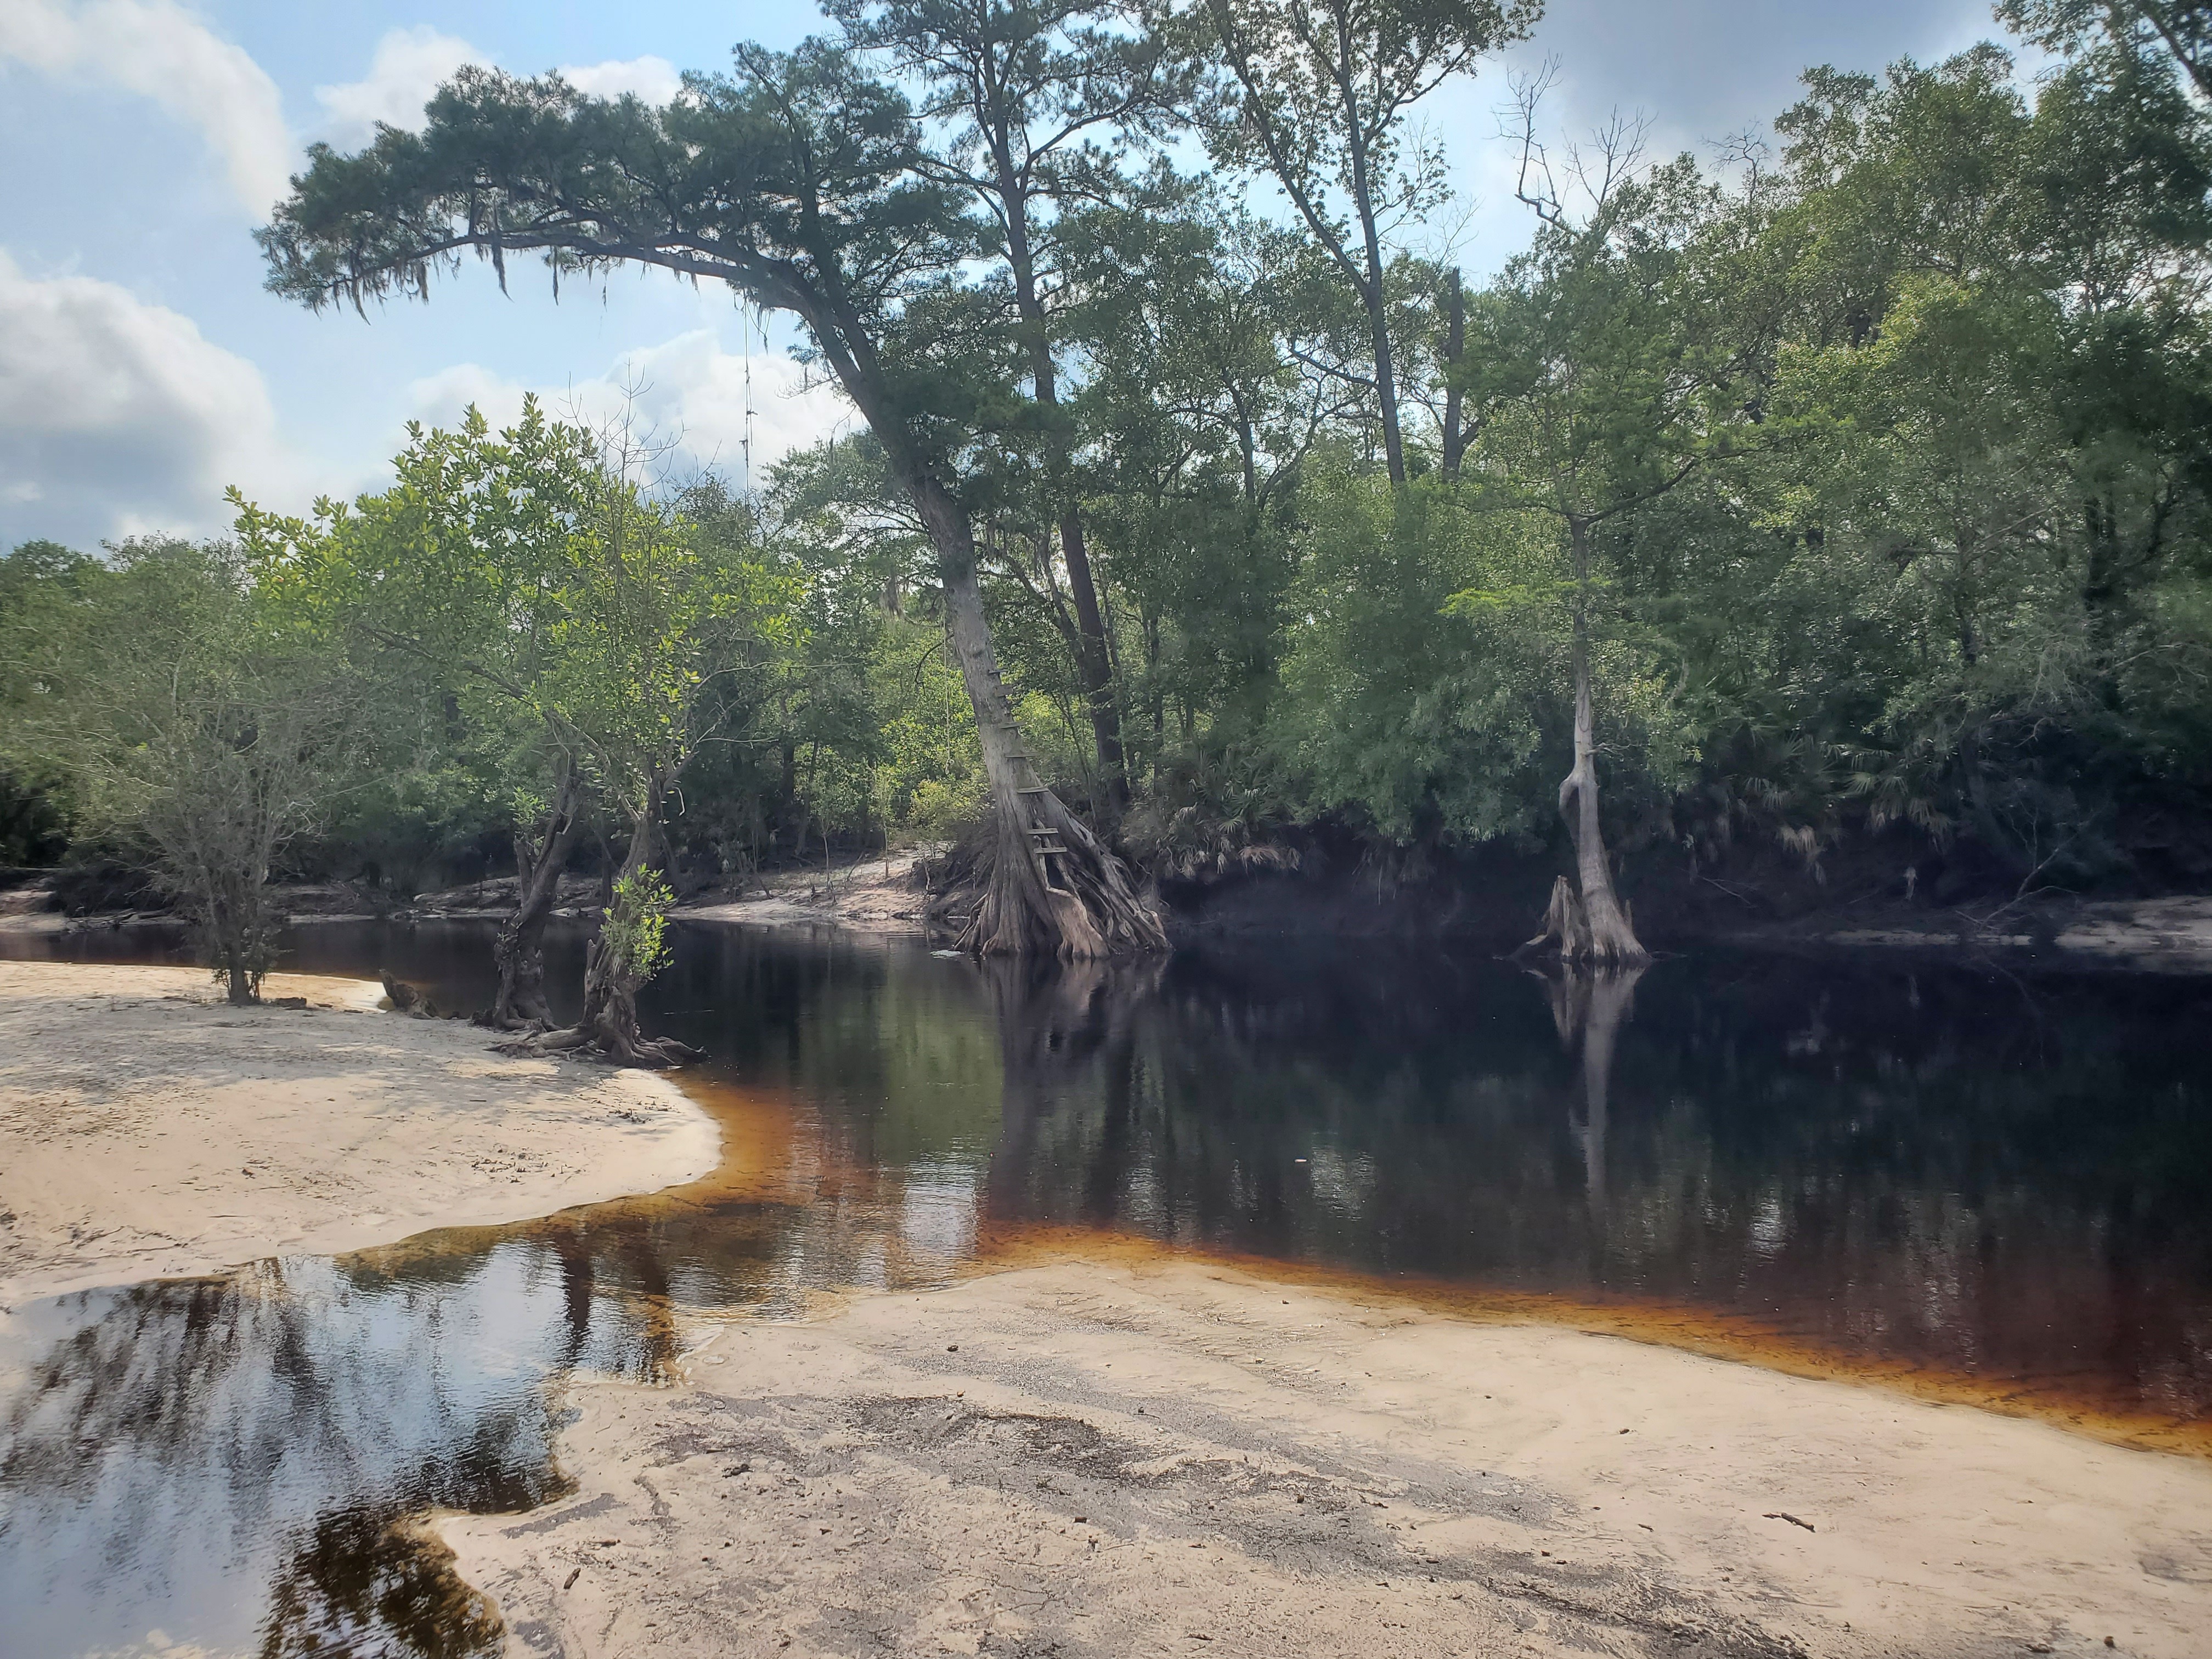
(1052, 889)
(1591, 925)
(519, 950)
(609, 1022)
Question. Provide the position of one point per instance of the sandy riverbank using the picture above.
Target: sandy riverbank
(1182, 1459)
(875, 895)
(146, 1130)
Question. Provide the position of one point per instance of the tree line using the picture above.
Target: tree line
(1840, 484)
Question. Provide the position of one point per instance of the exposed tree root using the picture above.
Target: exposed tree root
(1050, 889)
(1568, 933)
(608, 1029)
(609, 1025)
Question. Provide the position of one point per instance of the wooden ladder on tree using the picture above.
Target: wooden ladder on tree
(1044, 840)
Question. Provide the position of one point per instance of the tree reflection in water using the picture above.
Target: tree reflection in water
(1588, 1006)
(375, 1581)
(1933, 1168)
(227, 1458)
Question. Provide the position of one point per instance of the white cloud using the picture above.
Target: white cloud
(117, 417)
(688, 391)
(409, 65)
(160, 51)
(164, 51)
(654, 79)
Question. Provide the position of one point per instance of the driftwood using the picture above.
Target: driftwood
(413, 1000)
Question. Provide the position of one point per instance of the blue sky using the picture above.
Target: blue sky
(142, 367)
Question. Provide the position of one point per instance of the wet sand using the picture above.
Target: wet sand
(1109, 1458)
(148, 1131)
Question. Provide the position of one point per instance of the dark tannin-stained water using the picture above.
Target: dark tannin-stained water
(2002, 1184)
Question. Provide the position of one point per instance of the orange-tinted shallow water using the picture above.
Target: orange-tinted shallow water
(1978, 1190)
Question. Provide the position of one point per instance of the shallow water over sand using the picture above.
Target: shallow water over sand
(1977, 1185)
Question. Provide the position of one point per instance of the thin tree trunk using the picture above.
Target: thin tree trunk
(1372, 291)
(1454, 348)
(1248, 449)
(787, 790)
(1093, 668)
(1094, 664)
(231, 913)
(1592, 925)
(1385, 392)
(239, 981)
(519, 950)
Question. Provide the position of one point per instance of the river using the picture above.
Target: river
(1977, 1183)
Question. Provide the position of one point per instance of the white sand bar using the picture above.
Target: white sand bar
(146, 1130)
(1186, 1460)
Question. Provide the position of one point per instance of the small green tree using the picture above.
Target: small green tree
(204, 723)
(529, 570)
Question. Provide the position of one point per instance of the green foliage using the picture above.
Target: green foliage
(1893, 464)
(197, 720)
(636, 930)
(42, 584)
(1426, 691)
(1871, 478)
(543, 605)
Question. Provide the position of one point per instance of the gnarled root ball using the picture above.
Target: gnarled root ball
(577, 1041)
(1573, 935)
(1036, 882)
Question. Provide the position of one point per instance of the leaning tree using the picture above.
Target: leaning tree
(1030, 105)
(793, 181)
